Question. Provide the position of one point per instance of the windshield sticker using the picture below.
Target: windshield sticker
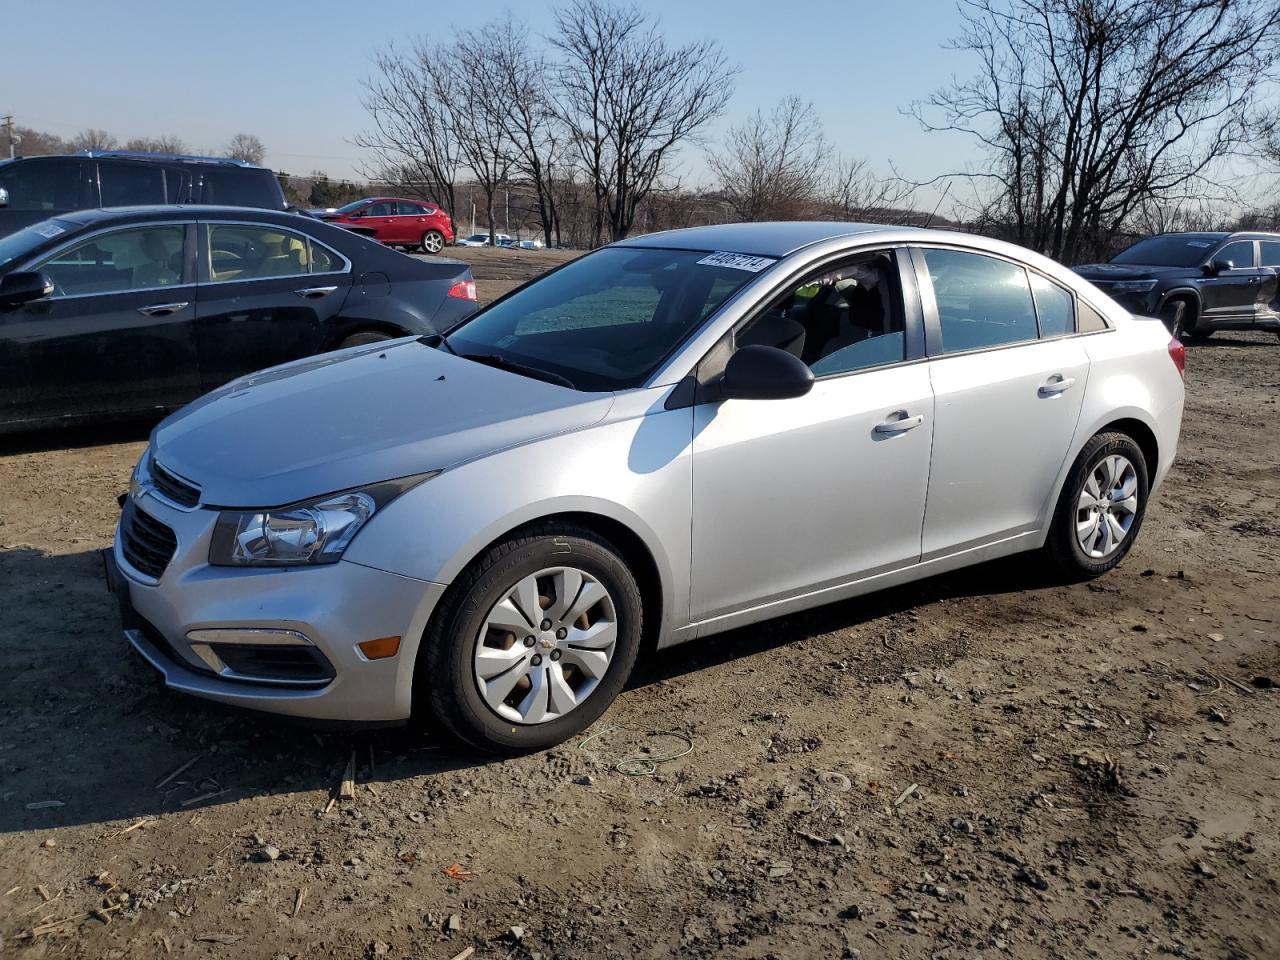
(49, 230)
(738, 261)
(1199, 243)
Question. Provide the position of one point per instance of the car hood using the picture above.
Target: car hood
(1110, 272)
(359, 416)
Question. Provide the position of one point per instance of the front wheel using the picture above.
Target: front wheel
(432, 242)
(362, 337)
(533, 641)
(1101, 507)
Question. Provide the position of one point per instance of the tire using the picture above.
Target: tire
(1063, 548)
(461, 642)
(432, 242)
(1174, 316)
(362, 337)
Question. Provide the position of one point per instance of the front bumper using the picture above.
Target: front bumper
(335, 607)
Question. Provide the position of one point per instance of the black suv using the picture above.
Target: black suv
(1197, 282)
(36, 188)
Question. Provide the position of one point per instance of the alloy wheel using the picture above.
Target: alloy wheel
(545, 645)
(432, 242)
(1107, 506)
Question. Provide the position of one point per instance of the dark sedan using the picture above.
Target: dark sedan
(105, 313)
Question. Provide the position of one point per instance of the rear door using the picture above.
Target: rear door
(1008, 378)
(410, 223)
(116, 335)
(1268, 306)
(266, 295)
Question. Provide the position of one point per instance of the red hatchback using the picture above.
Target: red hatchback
(396, 222)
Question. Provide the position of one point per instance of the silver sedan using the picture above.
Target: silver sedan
(669, 437)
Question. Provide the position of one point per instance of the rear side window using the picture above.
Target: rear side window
(125, 184)
(238, 187)
(239, 251)
(46, 183)
(982, 301)
(1270, 253)
(1055, 307)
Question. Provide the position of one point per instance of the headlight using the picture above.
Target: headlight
(311, 532)
(1130, 286)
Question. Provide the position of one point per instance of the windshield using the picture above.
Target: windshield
(353, 205)
(606, 321)
(19, 244)
(1168, 251)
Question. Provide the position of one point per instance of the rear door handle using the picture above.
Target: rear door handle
(899, 423)
(311, 293)
(1056, 385)
(162, 309)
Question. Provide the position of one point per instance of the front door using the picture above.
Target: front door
(267, 295)
(380, 218)
(115, 336)
(1008, 380)
(794, 496)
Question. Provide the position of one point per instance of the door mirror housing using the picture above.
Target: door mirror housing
(1215, 267)
(24, 286)
(757, 372)
(4, 197)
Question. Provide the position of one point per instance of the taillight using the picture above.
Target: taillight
(463, 290)
(1178, 354)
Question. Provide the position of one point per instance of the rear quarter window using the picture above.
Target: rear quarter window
(237, 187)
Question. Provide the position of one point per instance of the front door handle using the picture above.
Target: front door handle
(899, 423)
(162, 309)
(1055, 385)
(311, 293)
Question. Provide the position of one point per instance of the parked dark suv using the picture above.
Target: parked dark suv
(1197, 282)
(36, 188)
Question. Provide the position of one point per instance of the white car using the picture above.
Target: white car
(672, 436)
(482, 240)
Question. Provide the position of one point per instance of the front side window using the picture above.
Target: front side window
(982, 302)
(1055, 306)
(42, 183)
(1239, 254)
(251, 252)
(382, 209)
(843, 319)
(126, 184)
(605, 321)
(140, 258)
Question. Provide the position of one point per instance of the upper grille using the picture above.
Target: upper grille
(172, 487)
(148, 544)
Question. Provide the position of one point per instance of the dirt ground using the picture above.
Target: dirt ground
(984, 764)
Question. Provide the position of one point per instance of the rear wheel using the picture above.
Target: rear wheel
(1101, 507)
(432, 241)
(362, 337)
(533, 641)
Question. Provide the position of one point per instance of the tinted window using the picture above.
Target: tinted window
(1054, 306)
(1240, 253)
(982, 301)
(1270, 253)
(126, 184)
(1171, 250)
(324, 260)
(841, 320)
(409, 209)
(136, 259)
(44, 184)
(383, 209)
(239, 187)
(245, 252)
(605, 321)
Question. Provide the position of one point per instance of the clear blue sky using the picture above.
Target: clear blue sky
(290, 72)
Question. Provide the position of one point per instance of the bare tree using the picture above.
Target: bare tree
(476, 99)
(246, 147)
(163, 144)
(770, 166)
(413, 140)
(629, 100)
(1090, 108)
(854, 192)
(93, 139)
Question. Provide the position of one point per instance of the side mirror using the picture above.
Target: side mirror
(23, 287)
(4, 197)
(1217, 266)
(758, 372)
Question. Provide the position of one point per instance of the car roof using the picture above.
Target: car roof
(166, 211)
(776, 239)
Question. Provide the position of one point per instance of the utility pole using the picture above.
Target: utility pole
(7, 120)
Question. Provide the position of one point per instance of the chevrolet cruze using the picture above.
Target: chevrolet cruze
(672, 436)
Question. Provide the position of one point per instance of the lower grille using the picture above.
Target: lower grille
(148, 544)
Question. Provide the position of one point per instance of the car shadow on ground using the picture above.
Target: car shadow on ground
(1221, 339)
(88, 734)
(127, 430)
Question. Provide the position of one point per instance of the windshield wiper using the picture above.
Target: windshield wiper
(436, 340)
(502, 363)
